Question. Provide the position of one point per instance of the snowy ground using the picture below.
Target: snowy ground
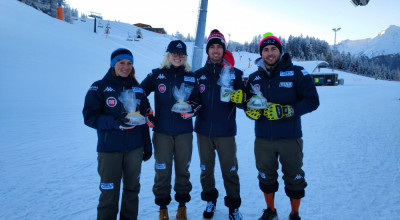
(48, 156)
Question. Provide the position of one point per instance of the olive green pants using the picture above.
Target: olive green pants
(113, 167)
(225, 147)
(168, 150)
(289, 152)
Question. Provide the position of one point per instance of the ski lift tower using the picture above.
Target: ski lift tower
(95, 15)
(199, 42)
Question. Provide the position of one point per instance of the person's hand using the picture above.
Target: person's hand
(123, 123)
(147, 154)
(150, 119)
(188, 115)
(238, 96)
(253, 113)
(277, 111)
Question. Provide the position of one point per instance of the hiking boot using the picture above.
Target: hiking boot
(181, 213)
(235, 215)
(294, 216)
(164, 214)
(269, 215)
(210, 209)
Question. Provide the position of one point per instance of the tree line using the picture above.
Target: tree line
(49, 7)
(307, 48)
(300, 48)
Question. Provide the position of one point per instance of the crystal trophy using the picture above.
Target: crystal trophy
(128, 99)
(258, 100)
(182, 95)
(225, 81)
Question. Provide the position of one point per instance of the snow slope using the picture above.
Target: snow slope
(48, 156)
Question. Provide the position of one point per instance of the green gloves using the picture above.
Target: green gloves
(238, 96)
(277, 111)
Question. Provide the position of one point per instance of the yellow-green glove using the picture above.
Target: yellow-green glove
(253, 113)
(238, 96)
(277, 111)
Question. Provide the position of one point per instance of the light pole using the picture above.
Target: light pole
(334, 48)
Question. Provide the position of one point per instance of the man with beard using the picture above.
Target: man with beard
(216, 124)
(288, 92)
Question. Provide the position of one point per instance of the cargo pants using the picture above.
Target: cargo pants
(289, 152)
(168, 150)
(112, 167)
(226, 150)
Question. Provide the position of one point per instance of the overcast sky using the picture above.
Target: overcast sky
(245, 19)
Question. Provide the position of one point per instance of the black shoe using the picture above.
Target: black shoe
(294, 216)
(235, 215)
(269, 215)
(210, 209)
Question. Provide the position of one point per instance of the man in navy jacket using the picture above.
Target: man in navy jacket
(216, 126)
(290, 93)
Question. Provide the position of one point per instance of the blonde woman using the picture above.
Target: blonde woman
(173, 132)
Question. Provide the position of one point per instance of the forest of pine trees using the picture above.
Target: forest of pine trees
(300, 48)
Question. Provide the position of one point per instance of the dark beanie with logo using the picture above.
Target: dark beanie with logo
(215, 37)
(120, 54)
(270, 39)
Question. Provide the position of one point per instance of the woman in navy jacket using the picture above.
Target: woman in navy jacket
(121, 146)
(173, 132)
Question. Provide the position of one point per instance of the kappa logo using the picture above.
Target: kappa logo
(162, 88)
(298, 177)
(111, 102)
(257, 78)
(109, 89)
(202, 88)
(161, 76)
(203, 77)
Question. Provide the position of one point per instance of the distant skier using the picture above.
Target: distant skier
(291, 93)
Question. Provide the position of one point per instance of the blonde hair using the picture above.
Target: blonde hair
(166, 64)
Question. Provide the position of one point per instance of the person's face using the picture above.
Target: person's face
(270, 54)
(123, 68)
(215, 53)
(177, 59)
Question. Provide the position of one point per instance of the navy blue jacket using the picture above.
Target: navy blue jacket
(102, 109)
(161, 82)
(216, 118)
(286, 84)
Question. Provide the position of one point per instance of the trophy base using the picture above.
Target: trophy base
(181, 107)
(136, 119)
(257, 102)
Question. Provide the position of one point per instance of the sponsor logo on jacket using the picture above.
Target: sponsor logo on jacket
(137, 90)
(287, 73)
(203, 77)
(111, 102)
(188, 79)
(286, 84)
(162, 88)
(202, 88)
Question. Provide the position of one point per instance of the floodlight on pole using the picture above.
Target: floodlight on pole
(334, 48)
